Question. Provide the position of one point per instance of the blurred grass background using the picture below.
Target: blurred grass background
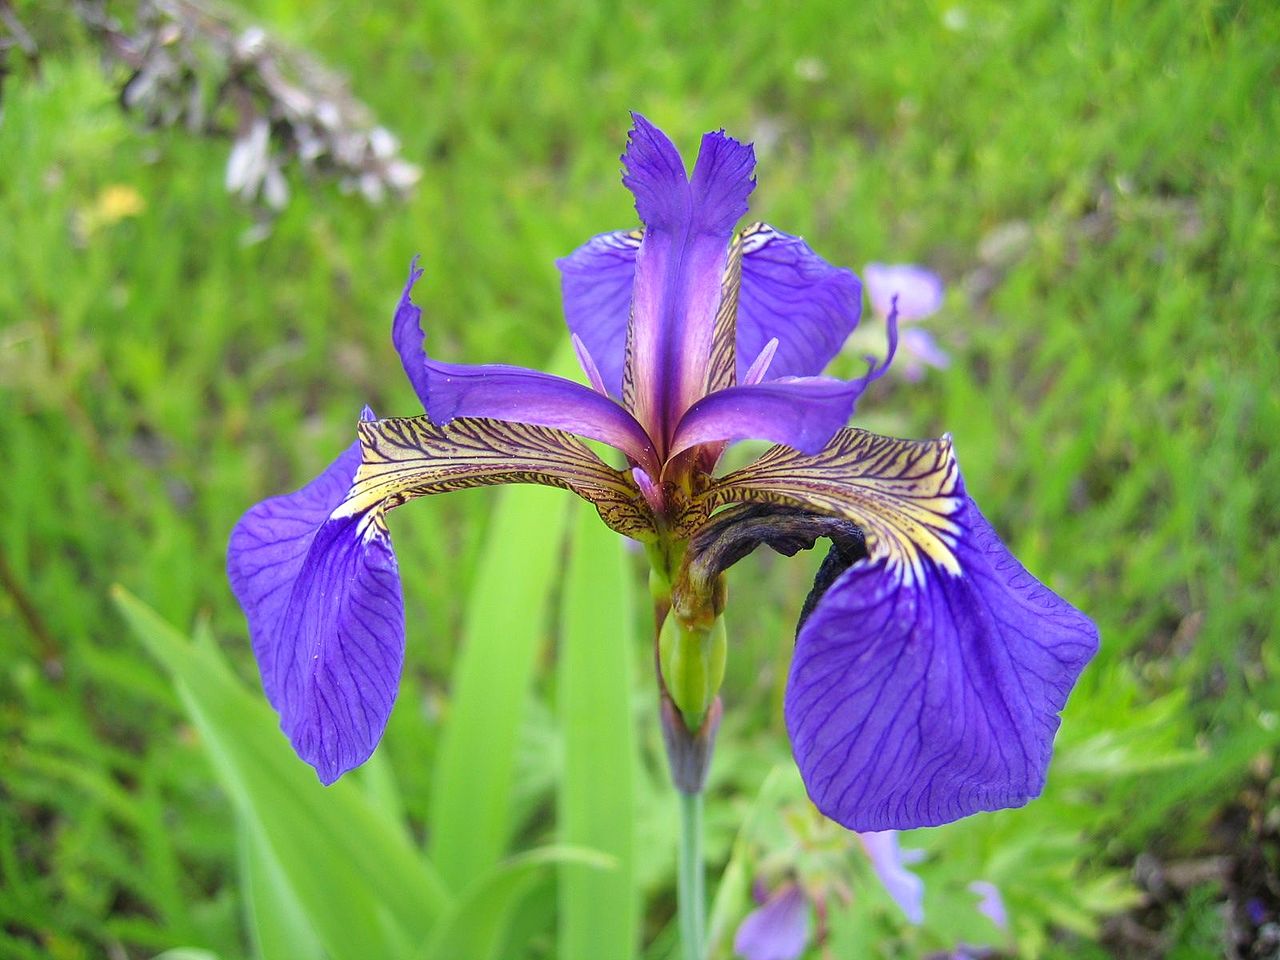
(1097, 182)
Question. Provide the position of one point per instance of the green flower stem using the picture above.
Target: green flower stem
(691, 891)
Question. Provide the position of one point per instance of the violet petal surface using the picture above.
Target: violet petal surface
(919, 695)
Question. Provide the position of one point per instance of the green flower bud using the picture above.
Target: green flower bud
(692, 661)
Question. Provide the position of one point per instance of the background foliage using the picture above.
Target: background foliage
(1097, 183)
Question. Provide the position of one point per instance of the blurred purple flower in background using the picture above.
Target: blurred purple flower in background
(990, 903)
(919, 295)
(890, 864)
(778, 929)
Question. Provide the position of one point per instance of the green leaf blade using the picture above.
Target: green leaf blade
(596, 802)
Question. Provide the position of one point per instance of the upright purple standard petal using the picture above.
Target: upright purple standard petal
(515, 394)
(920, 694)
(325, 615)
(688, 225)
(887, 860)
(788, 292)
(595, 283)
(777, 930)
(791, 293)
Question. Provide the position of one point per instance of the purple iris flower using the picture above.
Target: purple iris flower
(930, 666)
(916, 293)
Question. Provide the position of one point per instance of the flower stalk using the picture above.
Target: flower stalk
(691, 891)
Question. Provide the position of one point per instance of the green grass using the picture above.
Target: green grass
(1113, 396)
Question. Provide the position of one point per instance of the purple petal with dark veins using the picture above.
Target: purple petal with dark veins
(919, 291)
(325, 617)
(919, 695)
(268, 546)
(886, 858)
(595, 283)
(777, 930)
(516, 394)
(680, 264)
(803, 413)
(341, 646)
(788, 292)
(791, 293)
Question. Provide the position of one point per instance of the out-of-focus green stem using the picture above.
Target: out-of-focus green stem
(691, 891)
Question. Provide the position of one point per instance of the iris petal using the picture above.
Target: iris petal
(906, 888)
(911, 703)
(325, 616)
(679, 266)
(788, 292)
(791, 293)
(315, 572)
(405, 458)
(802, 413)
(595, 284)
(927, 681)
(341, 647)
(267, 549)
(516, 394)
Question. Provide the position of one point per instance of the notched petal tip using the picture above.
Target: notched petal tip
(654, 173)
(722, 181)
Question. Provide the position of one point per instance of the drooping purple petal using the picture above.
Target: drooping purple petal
(777, 930)
(510, 393)
(267, 548)
(919, 291)
(330, 655)
(791, 293)
(886, 858)
(595, 283)
(341, 646)
(803, 413)
(679, 266)
(920, 694)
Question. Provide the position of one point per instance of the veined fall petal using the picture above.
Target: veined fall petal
(927, 681)
(317, 577)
